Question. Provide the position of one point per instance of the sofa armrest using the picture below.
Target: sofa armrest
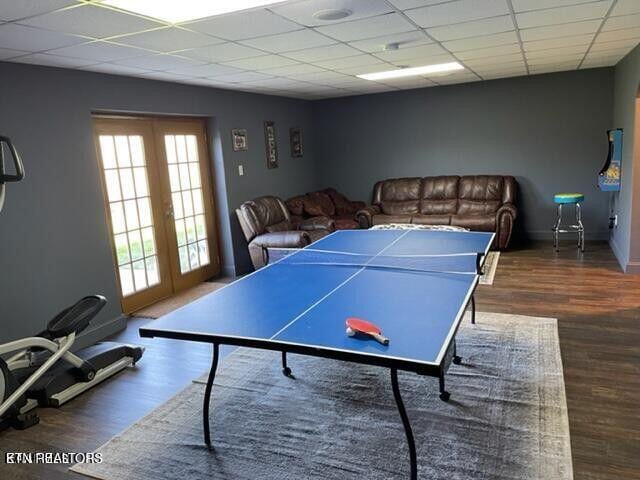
(365, 215)
(357, 205)
(286, 239)
(317, 223)
(505, 218)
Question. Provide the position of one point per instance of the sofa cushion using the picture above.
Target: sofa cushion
(318, 204)
(279, 227)
(439, 195)
(341, 203)
(398, 196)
(431, 219)
(345, 222)
(383, 219)
(296, 205)
(483, 223)
(480, 194)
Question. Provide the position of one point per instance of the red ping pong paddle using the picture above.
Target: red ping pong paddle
(358, 325)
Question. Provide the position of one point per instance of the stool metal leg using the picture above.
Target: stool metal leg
(556, 229)
(580, 227)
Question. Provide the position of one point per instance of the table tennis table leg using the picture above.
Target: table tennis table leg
(405, 423)
(473, 309)
(286, 371)
(444, 395)
(207, 396)
(456, 359)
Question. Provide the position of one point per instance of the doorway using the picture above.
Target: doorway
(159, 203)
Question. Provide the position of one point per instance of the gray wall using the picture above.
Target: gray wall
(547, 130)
(53, 236)
(625, 239)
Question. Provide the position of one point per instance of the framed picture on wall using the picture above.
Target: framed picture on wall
(239, 139)
(271, 144)
(295, 137)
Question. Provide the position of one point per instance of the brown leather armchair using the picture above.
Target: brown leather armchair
(478, 202)
(266, 222)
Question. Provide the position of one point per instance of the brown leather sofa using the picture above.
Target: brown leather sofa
(479, 202)
(266, 222)
(326, 203)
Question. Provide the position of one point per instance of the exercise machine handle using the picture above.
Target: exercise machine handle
(17, 162)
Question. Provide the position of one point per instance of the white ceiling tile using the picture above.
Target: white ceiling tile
(158, 62)
(619, 23)
(485, 41)
(403, 40)
(625, 7)
(319, 77)
(11, 10)
(91, 21)
(223, 52)
(555, 52)
(571, 61)
(292, 69)
(526, 5)
(500, 75)
(115, 69)
(489, 52)
(242, 77)
(208, 70)
(280, 83)
(243, 25)
(261, 63)
(457, 12)
(553, 67)
(287, 42)
(598, 62)
(613, 35)
(311, 55)
(6, 53)
(54, 60)
(506, 68)
(628, 44)
(422, 61)
(407, 4)
(558, 31)
(555, 16)
(387, 24)
(18, 37)
(356, 61)
(168, 39)
(99, 51)
(475, 28)
(423, 51)
(553, 42)
(457, 77)
(476, 63)
(302, 12)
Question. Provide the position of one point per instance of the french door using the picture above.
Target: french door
(159, 205)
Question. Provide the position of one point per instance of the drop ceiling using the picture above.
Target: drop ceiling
(285, 50)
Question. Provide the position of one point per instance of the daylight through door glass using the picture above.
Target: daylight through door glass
(187, 201)
(127, 184)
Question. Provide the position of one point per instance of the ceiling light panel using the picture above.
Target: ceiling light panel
(187, 10)
(412, 72)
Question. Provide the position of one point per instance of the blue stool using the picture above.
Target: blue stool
(561, 199)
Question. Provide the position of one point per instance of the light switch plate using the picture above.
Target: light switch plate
(240, 170)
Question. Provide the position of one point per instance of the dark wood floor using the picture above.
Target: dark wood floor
(599, 326)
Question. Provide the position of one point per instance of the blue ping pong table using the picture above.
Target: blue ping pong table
(300, 308)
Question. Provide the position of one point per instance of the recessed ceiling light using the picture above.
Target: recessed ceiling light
(332, 14)
(411, 72)
(186, 10)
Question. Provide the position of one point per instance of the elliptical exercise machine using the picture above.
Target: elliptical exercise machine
(42, 370)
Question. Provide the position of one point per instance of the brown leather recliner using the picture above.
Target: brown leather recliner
(266, 222)
(478, 202)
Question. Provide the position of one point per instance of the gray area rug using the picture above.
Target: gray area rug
(507, 417)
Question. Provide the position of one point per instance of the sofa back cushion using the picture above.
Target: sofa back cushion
(262, 215)
(318, 204)
(342, 204)
(296, 205)
(398, 196)
(480, 194)
(439, 195)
